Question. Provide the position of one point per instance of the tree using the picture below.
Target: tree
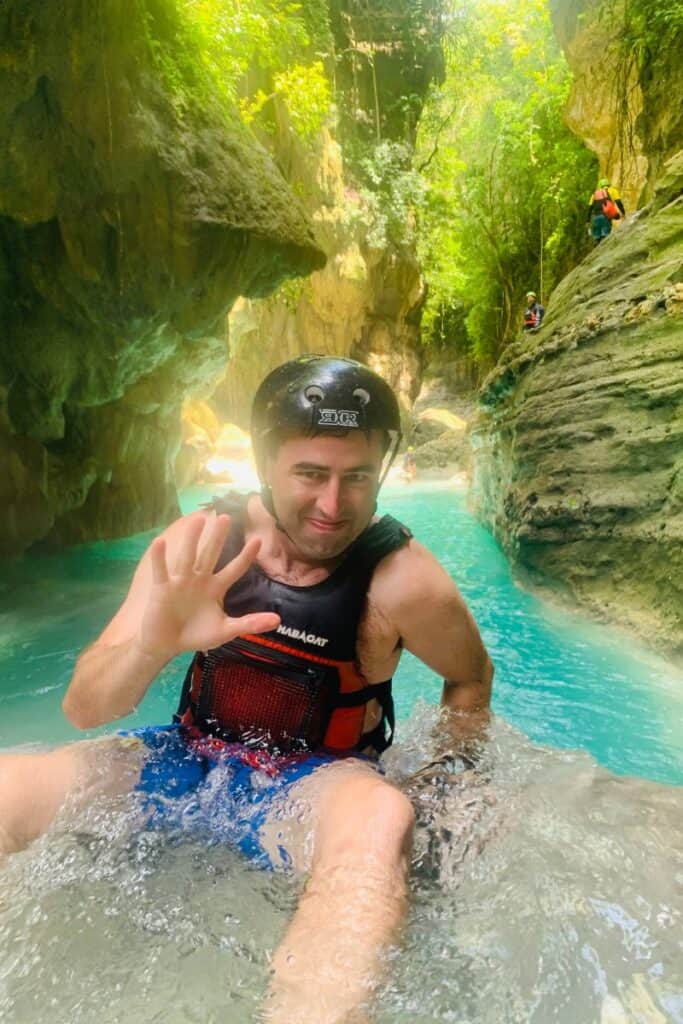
(507, 182)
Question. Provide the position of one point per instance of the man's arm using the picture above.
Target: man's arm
(435, 625)
(175, 604)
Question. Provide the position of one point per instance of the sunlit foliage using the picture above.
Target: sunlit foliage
(507, 182)
(252, 53)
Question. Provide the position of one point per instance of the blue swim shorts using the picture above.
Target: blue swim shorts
(221, 791)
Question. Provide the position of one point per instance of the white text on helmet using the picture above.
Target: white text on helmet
(337, 418)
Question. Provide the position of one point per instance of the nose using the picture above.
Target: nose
(329, 499)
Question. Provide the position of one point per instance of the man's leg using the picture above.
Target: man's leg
(33, 787)
(354, 903)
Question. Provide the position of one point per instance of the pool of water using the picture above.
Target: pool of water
(560, 679)
(551, 891)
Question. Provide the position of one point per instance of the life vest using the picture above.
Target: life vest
(603, 203)
(298, 687)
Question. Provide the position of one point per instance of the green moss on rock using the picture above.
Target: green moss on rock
(127, 229)
(579, 441)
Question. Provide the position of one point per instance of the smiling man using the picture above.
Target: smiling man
(295, 604)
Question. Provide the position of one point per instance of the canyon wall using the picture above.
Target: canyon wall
(625, 100)
(579, 438)
(128, 228)
(367, 301)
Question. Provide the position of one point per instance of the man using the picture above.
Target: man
(296, 613)
(604, 206)
(533, 314)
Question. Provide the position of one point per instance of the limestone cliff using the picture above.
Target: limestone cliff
(365, 303)
(579, 441)
(625, 101)
(127, 229)
(367, 300)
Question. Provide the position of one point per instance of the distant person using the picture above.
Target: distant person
(409, 469)
(605, 206)
(534, 312)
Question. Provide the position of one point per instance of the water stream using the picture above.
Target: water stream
(548, 891)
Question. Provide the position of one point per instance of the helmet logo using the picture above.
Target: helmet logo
(345, 418)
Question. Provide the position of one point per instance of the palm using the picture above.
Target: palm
(185, 605)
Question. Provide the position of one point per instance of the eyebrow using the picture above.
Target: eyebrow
(366, 467)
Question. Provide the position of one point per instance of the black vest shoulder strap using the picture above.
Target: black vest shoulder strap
(232, 503)
(377, 541)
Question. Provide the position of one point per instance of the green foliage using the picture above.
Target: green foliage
(392, 194)
(650, 25)
(248, 53)
(305, 91)
(178, 48)
(507, 181)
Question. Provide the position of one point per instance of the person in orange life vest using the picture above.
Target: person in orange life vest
(533, 314)
(605, 205)
(295, 604)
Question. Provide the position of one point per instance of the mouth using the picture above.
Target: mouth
(325, 525)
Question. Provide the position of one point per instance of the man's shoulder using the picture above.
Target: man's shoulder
(407, 575)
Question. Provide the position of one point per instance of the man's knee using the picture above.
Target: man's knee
(366, 816)
(34, 787)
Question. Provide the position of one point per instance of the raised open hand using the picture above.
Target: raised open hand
(184, 610)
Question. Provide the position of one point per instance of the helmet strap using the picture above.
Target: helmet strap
(269, 505)
(389, 458)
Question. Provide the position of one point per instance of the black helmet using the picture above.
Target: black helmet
(317, 393)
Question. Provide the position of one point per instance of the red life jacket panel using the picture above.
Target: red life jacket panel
(298, 687)
(603, 203)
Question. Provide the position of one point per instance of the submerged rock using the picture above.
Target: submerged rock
(579, 439)
(134, 209)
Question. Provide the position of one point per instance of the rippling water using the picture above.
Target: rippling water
(550, 890)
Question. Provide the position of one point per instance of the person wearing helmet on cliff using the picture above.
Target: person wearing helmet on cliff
(294, 606)
(605, 205)
(533, 314)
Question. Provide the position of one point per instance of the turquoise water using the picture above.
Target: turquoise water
(546, 889)
(560, 679)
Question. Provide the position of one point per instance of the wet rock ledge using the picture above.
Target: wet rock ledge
(578, 442)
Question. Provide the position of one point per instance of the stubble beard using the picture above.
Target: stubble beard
(323, 549)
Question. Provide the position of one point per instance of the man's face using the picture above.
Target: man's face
(324, 489)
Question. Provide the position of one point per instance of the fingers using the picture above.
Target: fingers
(238, 566)
(157, 557)
(259, 622)
(211, 543)
(187, 550)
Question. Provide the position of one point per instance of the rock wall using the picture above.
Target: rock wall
(624, 104)
(364, 303)
(367, 301)
(579, 439)
(127, 230)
